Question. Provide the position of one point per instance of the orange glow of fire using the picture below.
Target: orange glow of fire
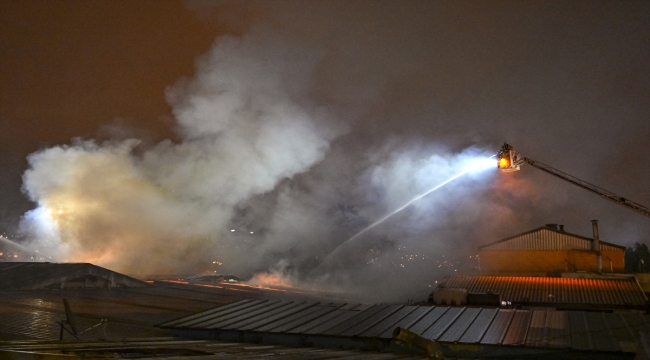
(242, 287)
(98, 258)
(269, 279)
(504, 162)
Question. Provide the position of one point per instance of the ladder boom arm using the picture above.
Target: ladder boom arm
(591, 187)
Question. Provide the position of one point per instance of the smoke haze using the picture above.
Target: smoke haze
(246, 125)
(325, 116)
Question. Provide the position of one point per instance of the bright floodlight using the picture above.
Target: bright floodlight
(508, 159)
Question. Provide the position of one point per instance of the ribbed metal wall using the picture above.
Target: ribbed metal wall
(544, 239)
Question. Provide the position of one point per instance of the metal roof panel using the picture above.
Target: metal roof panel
(477, 329)
(601, 336)
(319, 311)
(325, 322)
(365, 324)
(213, 313)
(242, 316)
(557, 329)
(244, 310)
(618, 327)
(637, 322)
(536, 328)
(279, 323)
(264, 318)
(518, 328)
(358, 317)
(580, 338)
(498, 327)
(442, 324)
(389, 323)
(408, 320)
(458, 328)
(429, 319)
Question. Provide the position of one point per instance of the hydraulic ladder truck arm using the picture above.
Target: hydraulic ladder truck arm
(509, 160)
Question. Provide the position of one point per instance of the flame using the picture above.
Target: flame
(504, 162)
(269, 279)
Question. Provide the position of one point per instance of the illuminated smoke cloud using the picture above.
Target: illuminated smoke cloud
(264, 145)
(262, 150)
(305, 225)
(247, 123)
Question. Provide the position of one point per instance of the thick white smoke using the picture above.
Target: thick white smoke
(310, 236)
(247, 123)
(300, 135)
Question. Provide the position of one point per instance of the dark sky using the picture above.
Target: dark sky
(71, 68)
(566, 83)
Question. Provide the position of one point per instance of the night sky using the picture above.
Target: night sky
(77, 68)
(322, 103)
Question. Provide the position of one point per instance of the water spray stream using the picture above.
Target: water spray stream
(15, 244)
(470, 169)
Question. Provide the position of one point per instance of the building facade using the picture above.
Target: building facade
(550, 249)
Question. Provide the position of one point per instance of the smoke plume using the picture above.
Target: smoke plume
(247, 123)
(326, 116)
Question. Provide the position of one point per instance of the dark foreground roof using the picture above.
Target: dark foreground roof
(29, 329)
(28, 315)
(554, 291)
(481, 331)
(44, 275)
(27, 318)
(171, 348)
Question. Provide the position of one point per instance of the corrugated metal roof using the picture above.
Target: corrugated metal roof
(577, 330)
(553, 290)
(545, 238)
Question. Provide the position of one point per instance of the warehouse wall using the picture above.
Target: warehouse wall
(550, 260)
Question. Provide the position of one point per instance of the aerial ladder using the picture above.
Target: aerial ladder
(510, 160)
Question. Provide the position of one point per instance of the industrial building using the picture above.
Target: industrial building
(550, 249)
(547, 267)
